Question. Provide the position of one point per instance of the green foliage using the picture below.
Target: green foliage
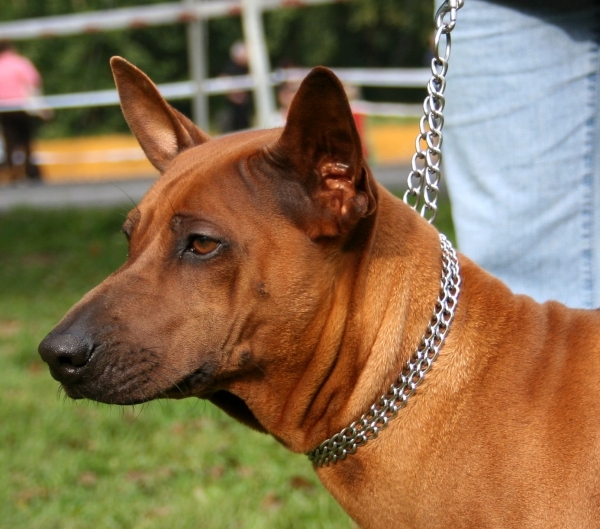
(376, 33)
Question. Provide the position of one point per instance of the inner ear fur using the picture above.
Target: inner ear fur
(321, 145)
(162, 131)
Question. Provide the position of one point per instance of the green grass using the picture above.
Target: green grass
(168, 464)
(443, 221)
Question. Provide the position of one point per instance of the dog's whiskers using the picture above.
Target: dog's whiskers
(159, 372)
(127, 195)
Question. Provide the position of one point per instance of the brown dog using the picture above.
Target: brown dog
(270, 274)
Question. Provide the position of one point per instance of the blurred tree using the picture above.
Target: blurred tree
(376, 33)
(357, 33)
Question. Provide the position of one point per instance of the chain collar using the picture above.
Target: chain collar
(377, 418)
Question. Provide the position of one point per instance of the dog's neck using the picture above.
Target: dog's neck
(393, 283)
(404, 252)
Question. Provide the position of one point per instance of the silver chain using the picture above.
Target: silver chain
(377, 418)
(424, 178)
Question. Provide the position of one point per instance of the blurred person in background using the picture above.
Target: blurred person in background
(285, 94)
(238, 114)
(20, 86)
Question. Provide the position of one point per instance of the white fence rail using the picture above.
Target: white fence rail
(133, 17)
(387, 77)
(193, 13)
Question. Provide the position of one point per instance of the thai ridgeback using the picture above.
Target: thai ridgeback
(270, 274)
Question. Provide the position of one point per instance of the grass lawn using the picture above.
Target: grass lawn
(167, 464)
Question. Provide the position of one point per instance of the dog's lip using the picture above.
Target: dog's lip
(196, 384)
(65, 372)
(76, 393)
(71, 392)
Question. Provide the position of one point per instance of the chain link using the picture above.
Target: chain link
(424, 177)
(377, 418)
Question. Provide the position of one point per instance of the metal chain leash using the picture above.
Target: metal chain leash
(424, 178)
(377, 418)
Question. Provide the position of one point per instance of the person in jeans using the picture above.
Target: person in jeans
(521, 148)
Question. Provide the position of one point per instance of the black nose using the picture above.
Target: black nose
(66, 355)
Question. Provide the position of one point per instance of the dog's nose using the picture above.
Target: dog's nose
(66, 354)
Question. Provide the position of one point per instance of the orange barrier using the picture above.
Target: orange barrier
(119, 156)
(392, 144)
(94, 158)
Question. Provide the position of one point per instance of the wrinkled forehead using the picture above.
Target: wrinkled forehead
(208, 178)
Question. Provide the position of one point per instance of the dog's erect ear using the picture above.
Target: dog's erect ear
(321, 144)
(163, 132)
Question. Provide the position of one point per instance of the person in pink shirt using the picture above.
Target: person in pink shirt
(20, 84)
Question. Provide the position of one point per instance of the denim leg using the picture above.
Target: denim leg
(521, 149)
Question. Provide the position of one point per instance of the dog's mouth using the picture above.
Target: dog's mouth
(141, 388)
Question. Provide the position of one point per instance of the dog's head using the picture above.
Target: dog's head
(236, 256)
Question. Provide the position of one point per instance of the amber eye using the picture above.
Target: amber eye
(203, 245)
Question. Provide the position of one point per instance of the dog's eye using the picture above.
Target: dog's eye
(203, 245)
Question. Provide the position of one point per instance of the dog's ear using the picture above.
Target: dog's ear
(163, 132)
(321, 145)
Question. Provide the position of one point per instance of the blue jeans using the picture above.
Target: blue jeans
(521, 148)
